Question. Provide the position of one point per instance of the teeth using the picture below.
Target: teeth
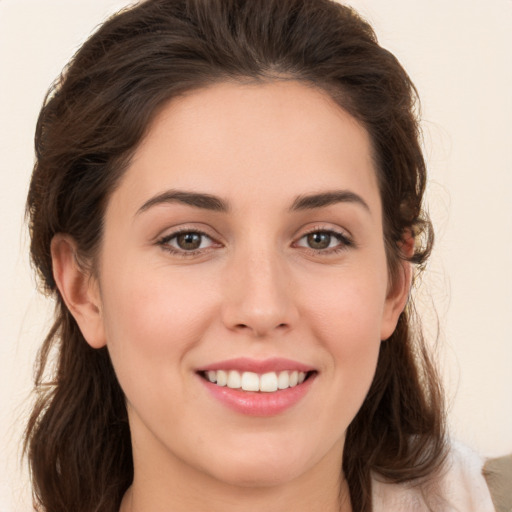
(250, 381)
(268, 382)
(283, 381)
(222, 378)
(234, 380)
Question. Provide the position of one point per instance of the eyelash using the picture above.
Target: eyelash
(164, 243)
(344, 242)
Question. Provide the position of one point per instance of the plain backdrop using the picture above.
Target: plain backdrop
(458, 53)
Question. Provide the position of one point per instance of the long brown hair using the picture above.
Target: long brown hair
(94, 116)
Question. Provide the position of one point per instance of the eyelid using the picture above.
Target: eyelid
(187, 227)
(163, 241)
(342, 235)
(345, 238)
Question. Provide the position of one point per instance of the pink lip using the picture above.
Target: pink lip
(258, 403)
(243, 364)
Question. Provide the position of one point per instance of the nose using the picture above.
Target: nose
(259, 295)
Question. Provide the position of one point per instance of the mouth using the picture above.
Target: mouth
(258, 387)
(268, 382)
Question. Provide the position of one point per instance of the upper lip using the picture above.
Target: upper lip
(244, 364)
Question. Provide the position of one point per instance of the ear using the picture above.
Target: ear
(399, 289)
(79, 290)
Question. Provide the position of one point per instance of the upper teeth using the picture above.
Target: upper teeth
(250, 381)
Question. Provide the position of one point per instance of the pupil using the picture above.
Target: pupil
(319, 240)
(189, 241)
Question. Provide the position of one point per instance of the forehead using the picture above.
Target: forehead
(253, 141)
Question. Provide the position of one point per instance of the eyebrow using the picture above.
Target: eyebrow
(214, 203)
(196, 199)
(320, 200)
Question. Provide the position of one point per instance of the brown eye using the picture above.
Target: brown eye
(186, 242)
(189, 241)
(319, 240)
(325, 241)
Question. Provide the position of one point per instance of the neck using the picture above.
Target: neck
(276, 499)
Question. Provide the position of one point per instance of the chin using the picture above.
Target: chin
(259, 475)
(261, 468)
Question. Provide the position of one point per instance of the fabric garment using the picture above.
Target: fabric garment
(498, 473)
(460, 487)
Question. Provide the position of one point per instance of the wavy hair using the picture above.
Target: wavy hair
(77, 440)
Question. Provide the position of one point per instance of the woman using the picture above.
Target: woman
(227, 206)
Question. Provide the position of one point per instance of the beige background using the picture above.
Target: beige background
(459, 54)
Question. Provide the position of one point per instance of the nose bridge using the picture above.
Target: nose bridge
(259, 293)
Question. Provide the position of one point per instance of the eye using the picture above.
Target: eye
(324, 240)
(186, 242)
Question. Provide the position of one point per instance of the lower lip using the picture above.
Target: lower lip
(260, 404)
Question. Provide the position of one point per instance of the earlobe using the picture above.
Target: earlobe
(79, 290)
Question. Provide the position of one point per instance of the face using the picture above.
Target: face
(244, 247)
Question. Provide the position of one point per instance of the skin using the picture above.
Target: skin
(255, 288)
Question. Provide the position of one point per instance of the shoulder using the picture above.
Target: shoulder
(498, 473)
(459, 487)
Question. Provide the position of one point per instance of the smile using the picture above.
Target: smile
(258, 387)
(250, 381)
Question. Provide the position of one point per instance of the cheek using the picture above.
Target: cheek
(347, 320)
(152, 319)
(153, 323)
(348, 310)
(352, 337)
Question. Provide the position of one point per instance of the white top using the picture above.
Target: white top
(460, 488)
